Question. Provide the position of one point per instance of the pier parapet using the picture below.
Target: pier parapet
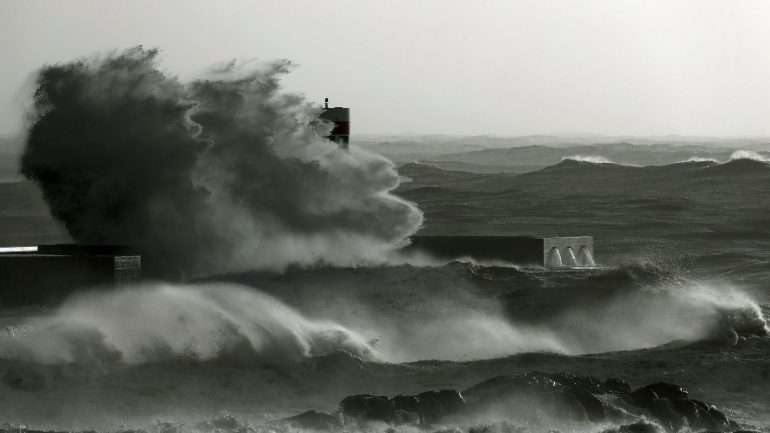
(550, 252)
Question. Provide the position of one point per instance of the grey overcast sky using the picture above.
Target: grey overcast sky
(502, 67)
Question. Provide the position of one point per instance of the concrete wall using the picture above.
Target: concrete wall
(579, 245)
(516, 249)
(46, 278)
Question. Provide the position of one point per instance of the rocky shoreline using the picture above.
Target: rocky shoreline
(532, 399)
(529, 402)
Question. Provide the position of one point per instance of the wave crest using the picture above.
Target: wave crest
(156, 322)
(593, 159)
(748, 154)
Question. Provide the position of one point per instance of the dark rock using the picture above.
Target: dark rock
(637, 427)
(406, 409)
(670, 405)
(700, 415)
(564, 395)
(434, 405)
(425, 408)
(312, 420)
(663, 410)
(617, 386)
(366, 407)
(409, 403)
(557, 396)
(660, 390)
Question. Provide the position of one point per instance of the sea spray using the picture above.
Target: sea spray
(161, 322)
(466, 311)
(223, 173)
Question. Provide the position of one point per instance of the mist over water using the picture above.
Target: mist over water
(108, 359)
(223, 173)
(228, 174)
(454, 324)
(159, 322)
(156, 322)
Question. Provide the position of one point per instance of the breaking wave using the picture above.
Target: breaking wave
(182, 352)
(593, 159)
(748, 154)
(645, 318)
(157, 322)
(220, 174)
(466, 311)
(394, 314)
(655, 315)
(700, 159)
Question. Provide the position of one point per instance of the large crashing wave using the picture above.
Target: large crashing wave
(161, 322)
(433, 313)
(449, 313)
(468, 312)
(219, 174)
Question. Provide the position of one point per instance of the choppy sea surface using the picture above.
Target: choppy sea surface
(683, 299)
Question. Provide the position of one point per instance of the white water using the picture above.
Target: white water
(749, 154)
(154, 322)
(422, 316)
(593, 159)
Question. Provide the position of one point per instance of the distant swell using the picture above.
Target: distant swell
(736, 155)
(593, 159)
(749, 154)
(700, 159)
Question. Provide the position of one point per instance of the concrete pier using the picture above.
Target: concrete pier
(47, 273)
(549, 252)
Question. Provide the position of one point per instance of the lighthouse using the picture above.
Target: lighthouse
(340, 117)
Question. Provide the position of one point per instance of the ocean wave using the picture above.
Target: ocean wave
(158, 322)
(455, 312)
(700, 159)
(469, 311)
(748, 154)
(181, 352)
(736, 155)
(593, 159)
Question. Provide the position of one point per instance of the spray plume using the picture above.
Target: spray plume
(219, 174)
(158, 322)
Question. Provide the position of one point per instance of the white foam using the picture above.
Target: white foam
(154, 322)
(700, 159)
(593, 159)
(748, 154)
